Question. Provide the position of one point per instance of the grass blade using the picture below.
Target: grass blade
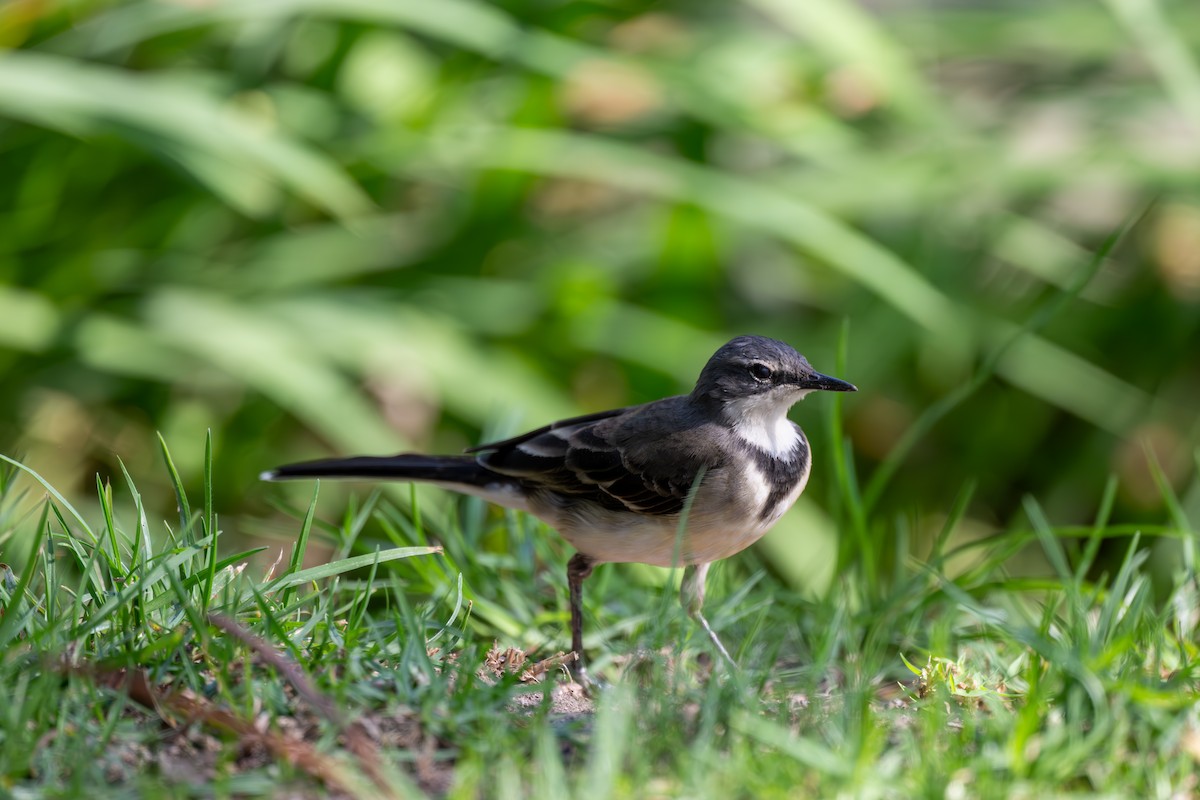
(181, 500)
(336, 568)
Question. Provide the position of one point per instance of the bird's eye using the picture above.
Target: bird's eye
(761, 372)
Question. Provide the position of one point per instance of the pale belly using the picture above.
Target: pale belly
(715, 528)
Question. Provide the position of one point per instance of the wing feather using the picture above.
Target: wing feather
(639, 459)
(553, 426)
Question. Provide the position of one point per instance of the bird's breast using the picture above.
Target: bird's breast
(773, 484)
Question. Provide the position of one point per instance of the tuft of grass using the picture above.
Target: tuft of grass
(140, 661)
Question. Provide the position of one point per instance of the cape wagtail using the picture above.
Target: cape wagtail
(684, 481)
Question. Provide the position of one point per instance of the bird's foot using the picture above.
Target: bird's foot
(729, 662)
(592, 686)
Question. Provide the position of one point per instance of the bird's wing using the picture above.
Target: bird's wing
(636, 459)
(553, 426)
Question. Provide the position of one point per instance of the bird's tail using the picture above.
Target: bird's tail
(461, 470)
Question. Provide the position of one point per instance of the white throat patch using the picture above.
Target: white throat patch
(762, 421)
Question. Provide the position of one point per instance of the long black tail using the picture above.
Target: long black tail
(403, 467)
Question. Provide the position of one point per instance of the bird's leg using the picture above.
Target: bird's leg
(578, 568)
(691, 595)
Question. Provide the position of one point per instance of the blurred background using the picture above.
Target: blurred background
(329, 226)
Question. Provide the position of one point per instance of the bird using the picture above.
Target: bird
(684, 481)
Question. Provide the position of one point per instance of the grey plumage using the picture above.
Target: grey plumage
(615, 483)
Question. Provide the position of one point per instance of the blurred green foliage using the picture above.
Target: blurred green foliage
(363, 225)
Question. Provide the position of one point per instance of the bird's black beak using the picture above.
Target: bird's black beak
(825, 383)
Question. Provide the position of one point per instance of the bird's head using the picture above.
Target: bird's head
(753, 371)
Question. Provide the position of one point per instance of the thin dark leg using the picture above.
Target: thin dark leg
(578, 568)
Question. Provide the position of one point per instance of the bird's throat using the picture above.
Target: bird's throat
(764, 425)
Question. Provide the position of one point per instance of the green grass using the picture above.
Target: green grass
(325, 227)
(145, 664)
